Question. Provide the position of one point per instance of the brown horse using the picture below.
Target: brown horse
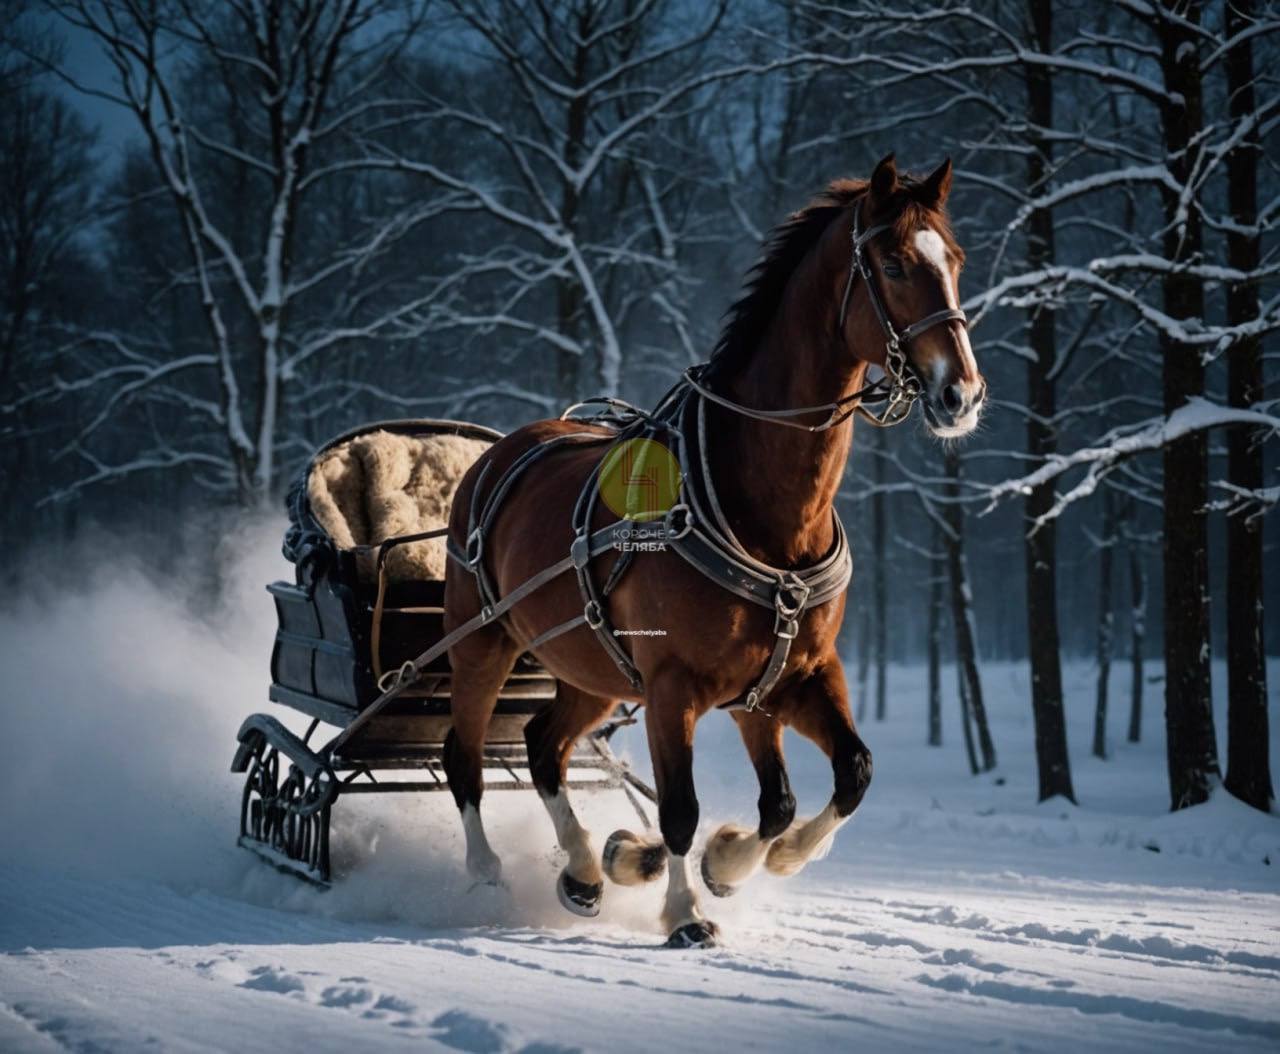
(804, 333)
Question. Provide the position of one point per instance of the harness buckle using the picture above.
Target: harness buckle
(864, 267)
(789, 600)
(592, 614)
(405, 675)
(580, 550)
(475, 549)
(791, 596)
(677, 522)
(752, 703)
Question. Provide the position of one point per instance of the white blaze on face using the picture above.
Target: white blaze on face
(932, 251)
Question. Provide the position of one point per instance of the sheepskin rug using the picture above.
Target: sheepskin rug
(380, 485)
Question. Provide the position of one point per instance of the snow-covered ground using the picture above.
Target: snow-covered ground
(953, 912)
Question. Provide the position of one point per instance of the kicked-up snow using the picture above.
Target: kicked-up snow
(953, 912)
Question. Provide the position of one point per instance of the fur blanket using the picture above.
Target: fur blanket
(380, 485)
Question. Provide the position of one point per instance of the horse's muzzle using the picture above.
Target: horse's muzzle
(952, 410)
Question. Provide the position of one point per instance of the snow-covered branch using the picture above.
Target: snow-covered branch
(1123, 443)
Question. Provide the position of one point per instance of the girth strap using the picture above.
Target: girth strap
(594, 611)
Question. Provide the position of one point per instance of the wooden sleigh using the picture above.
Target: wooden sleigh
(361, 606)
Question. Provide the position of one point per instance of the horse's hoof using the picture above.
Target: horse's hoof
(484, 869)
(718, 889)
(704, 934)
(581, 898)
(493, 883)
(629, 860)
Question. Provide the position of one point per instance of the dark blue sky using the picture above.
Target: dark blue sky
(84, 61)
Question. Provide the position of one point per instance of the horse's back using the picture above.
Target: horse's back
(571, 462)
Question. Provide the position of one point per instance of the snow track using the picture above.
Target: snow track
(1026, 963)
(952, 913)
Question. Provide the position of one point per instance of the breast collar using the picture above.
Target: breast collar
(697, 529)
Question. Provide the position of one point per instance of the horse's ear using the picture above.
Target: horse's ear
(884, 180)
(934, 190)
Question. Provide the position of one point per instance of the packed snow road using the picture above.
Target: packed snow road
(953, 912)
(996, 959)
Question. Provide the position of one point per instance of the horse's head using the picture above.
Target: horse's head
(913, 266)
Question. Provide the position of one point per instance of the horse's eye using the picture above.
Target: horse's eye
(892, 267)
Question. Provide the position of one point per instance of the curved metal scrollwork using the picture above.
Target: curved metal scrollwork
(286, 820)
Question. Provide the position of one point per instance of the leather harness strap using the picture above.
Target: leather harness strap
(696, 527)
(688, 528)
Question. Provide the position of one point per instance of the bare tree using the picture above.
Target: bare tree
(962, 615)
(592, 208)
(1176, 165)
(1248, 766)
(879, 575)
(296, 80)
(46, 202)
(1137, 635)
(1043, 367)
(1106, 620)
(937, 579)
(1192, 744)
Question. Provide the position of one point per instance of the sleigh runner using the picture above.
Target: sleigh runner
(368, 598)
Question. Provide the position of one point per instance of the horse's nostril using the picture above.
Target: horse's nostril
(952, 400)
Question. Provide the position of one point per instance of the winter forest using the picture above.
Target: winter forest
(487, 211)
(234, 229)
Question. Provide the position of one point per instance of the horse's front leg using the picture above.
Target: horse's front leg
(669, 720)
(550, 737)
(734, 852)
(821, 712)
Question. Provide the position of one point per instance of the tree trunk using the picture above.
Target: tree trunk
(879, 559)
(962, 614)
(1106, 622)
(864, 659)
(1248, 738)
(1052, 759)
(966, 718)
(937, 573)
(569, 293)
(1137, 635)
(1191, 742)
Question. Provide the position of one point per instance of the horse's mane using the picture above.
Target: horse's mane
(785, 248)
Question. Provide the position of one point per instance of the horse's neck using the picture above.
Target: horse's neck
(777, 484)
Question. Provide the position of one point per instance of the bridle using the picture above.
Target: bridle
(898, 389)
(904, 384)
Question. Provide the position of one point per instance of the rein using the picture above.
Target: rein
(900, 379)
(696, 528)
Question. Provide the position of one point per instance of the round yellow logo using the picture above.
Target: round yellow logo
(640, 480)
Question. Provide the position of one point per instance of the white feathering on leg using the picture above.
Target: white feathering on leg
(573, 839)
(733, 854)
(630, 860)
(681, 904)
(483, 863)
(802, 842)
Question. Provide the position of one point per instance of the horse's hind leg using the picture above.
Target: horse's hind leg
(821, 712)
(669, 719)
(734, 853)
(550, 737)
(481, 663)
